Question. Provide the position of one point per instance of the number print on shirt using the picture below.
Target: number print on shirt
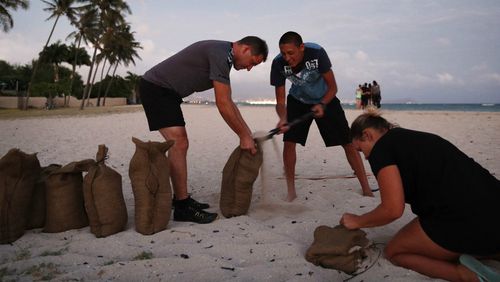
(312, 64)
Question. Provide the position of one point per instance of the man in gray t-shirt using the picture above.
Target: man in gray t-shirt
(198, 67)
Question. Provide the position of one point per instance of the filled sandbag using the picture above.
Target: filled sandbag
(338, 248)
(238, 177)
(103, 196)
(150, 177)
(18, 173)
(64, 198)
(36, 215)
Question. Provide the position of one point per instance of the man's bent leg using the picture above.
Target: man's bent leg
(177, 156)
(289, 161)
(354, 159)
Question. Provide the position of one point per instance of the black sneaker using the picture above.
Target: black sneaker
(192, 214)
(191, 202)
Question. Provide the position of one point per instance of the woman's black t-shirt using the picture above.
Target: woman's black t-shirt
(456, 199)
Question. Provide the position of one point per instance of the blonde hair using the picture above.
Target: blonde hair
(371, 118)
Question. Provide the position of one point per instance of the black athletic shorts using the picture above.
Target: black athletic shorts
(161, 105)
(333, 126)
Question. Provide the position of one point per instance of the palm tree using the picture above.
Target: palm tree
(77, 57)
(57, 8)
(86, 23)
(110, 16)
(125, 49)
(133, 80)
(5, 18)
(55, 54)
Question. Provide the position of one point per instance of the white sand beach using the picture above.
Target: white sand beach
(268, 244)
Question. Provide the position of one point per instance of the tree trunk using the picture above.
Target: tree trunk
(73, 71)
(109, 85)
(102, 81)
(100, 84)
(35, 67)
(88, 78)
(92, 83)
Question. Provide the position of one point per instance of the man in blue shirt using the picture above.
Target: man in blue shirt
(308, 68)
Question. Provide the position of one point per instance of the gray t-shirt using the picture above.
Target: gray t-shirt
(194, 68)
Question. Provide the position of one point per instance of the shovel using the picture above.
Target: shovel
(291, 124)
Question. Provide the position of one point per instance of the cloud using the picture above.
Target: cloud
(148, 46)
(16, 49)
(443, 41)
(445, 78)
(361, 56)
(495, 77)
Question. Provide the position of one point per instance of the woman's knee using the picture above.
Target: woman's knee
(391, 251)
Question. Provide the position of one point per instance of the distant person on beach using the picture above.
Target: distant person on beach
(376, 96)
(308, 68)
(365, 95)
(201, 66)
(359, 93)
(454, 198)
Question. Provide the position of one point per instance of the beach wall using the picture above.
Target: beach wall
(9, 102)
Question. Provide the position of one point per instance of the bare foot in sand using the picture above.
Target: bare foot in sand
(291, 197)
(368, 194)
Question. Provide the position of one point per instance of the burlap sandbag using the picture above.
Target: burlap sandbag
(338, 248)
(36, 215)
(103, 195)
(18, 173)
(64, 197)
(150, 177)
(238, 177)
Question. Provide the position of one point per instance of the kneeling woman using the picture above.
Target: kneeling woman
(455, 199)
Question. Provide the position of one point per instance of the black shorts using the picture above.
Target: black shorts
(161, 105)
(333, 126)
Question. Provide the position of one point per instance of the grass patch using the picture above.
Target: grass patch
(43, 271)
(144, 255)
(4, 271)
(67, 112)
(54, 253)
(23, 254)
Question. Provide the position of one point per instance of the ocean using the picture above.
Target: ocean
(436, 107)
(416, 107)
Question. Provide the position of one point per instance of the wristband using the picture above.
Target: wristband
(322, 105)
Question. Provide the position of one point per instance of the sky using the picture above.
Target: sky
(423, 51)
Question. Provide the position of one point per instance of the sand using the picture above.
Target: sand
(268, 244)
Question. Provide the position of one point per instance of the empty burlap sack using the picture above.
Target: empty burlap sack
(18, 173)
(103, 195)
(150, 177)
(238, 177)
(338, 248)
(36, 214)
(64, 198)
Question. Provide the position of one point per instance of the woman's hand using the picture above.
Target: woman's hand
(350, 221)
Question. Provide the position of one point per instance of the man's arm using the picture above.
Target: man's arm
(331, 92)
(232, 116)
(280, 92)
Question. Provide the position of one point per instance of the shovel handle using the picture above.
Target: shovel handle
(291, 124)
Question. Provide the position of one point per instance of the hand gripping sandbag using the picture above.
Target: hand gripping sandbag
(64, 198)
(18, 173)
(238, 177)
(338, 248)
(150, 177)
(36, 215)
(103, 196)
